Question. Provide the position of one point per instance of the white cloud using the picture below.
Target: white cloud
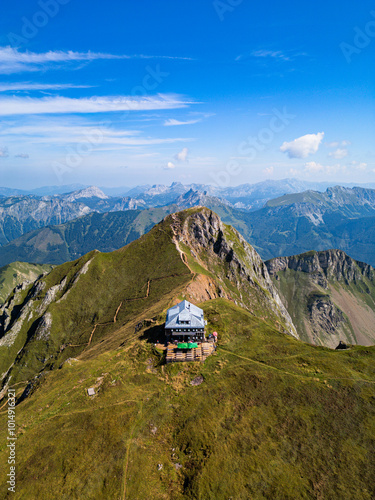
(303, 146)
(169, 166)
(6, 87)
(54, 105)
(271, 54)
(182, 155)
(22, 155)
(339, 154)
(312, 167)
(335, 169)
(269, 170)
(337, 144)
(171, 122)
(361, 166)
(293, 172)
(274, 54)
(4, 153)
(14, 61)
(60, 131)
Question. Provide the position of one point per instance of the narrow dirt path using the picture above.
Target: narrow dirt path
(297, 375)
(117, 311)
(148, 290)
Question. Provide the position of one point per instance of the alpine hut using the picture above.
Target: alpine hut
(185, 322)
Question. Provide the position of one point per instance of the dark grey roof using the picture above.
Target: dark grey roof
(185, 311)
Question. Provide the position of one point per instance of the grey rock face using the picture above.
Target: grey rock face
(327, 265)
(213, 242)
(324, 315)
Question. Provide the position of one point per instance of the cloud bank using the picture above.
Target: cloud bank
(59, 105)
(14, 61)
(171, 122)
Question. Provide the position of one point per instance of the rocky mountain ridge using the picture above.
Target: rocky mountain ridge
(329, 295)
(325, 265)
(354, 201)
(212, 243)
(188, 252)
(171, 431)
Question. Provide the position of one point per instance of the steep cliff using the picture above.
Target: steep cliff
(221, 250)
(329, 295)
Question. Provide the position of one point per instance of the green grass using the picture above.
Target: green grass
(17, 272)
(111, 279)
(274, 418)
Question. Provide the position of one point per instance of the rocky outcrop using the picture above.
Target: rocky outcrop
(44, 327)
(330, 296)
(90, 192)
(324, 266)
(223, 251)
(324, 315)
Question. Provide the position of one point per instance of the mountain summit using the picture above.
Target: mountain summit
(190, 253)
(90, 192)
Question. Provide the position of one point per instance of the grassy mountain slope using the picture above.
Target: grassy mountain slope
(91, 290)
(16, 273)
(273, 418)
(267, 416)
(329, 296)
(81, 303)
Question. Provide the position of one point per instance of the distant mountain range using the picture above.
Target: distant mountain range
(250, 195)
(42, 191)
(21, 214)
(340, 218)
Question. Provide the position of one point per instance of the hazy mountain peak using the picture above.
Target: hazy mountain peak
(194, 198)
(90, 192)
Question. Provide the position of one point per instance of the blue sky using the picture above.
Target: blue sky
(221, 92)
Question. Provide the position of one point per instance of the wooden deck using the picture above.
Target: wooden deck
(200, 353)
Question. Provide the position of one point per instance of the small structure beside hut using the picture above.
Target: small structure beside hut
(185, 331)
(341, 345)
